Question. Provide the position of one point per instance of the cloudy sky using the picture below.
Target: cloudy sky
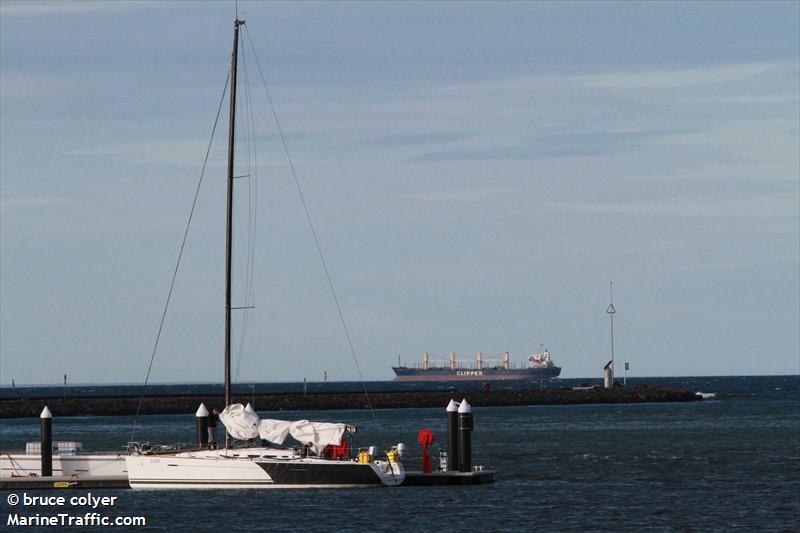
(477, 174)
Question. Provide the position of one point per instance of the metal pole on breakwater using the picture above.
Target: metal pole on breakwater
(611, 311)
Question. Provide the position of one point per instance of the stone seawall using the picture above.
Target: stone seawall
(31, 408)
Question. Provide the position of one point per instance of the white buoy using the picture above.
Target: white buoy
(401, 449)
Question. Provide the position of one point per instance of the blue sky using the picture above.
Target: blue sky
(477, 173)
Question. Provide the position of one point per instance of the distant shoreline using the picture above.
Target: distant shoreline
(593, 379)
(176, 404)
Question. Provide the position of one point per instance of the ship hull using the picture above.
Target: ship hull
(472, 374)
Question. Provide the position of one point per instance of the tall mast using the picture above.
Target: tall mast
(229, 214)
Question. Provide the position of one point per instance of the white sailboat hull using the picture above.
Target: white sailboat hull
(175, 472)
(255, 468)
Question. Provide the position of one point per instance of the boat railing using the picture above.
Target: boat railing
(148, 448)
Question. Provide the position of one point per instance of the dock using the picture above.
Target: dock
(416, 478)
(413, 479)
(63, 482)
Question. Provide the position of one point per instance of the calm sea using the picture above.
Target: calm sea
(732, 463)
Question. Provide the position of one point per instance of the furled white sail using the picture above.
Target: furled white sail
(316, 435)
(274, 431)
(240, 423)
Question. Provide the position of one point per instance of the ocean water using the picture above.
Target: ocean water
(732, 463)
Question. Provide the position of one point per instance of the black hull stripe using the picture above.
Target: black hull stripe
(284, 473)
(196, 482)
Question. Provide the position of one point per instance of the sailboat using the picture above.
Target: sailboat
(323, 459)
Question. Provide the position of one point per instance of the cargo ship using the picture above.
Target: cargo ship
(539, 367)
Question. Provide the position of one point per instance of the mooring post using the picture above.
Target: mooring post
(452, 436)
(202, 426)
(47, 442)
(465, 437)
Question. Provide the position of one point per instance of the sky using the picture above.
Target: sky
(477, 174)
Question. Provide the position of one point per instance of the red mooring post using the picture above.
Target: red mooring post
(425, 438)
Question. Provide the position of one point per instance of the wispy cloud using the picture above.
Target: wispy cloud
(152, 152)
(24, 85)
(65, 7)
(550, 146)
(460, 196)
(678, 78)
(17, 200)
(762, 206)
(675, 78)
(417, 138)
(748, 99)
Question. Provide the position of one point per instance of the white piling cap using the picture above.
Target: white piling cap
(46, 413)
(201, 411)
(249, 408)
(464, 407)
(452, 407)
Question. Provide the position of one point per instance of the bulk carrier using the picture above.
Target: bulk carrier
(539, 367)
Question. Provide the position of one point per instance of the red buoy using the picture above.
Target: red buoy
(425, 438)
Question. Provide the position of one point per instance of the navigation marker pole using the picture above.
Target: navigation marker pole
(610, 311)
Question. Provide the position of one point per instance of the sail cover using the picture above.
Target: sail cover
(240, 423)
(274, 431)
(316, 435)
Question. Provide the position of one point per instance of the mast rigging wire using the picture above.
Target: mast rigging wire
(252, 207)
(180, 255)
(313, 229)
